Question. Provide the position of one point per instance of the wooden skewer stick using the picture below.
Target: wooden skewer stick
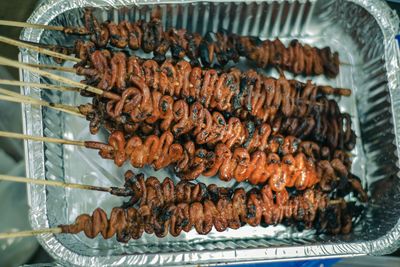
(112, 190)
(16, 64)
(55, 106)
(42, 139)
(31, 25)
(87, 144)
(37, 49)
(37, 101)
(53, 183)
(68, 30)
(18, 98)
(51, 47)
(40, 85)
(52, 67)
(56, 230)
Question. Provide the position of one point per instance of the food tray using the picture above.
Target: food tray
(362, 31)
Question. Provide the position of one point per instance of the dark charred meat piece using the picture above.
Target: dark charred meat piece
(258, 167)
(308, 209)
(160, 207)
(297, 107)
(215, 48)
(156, 194)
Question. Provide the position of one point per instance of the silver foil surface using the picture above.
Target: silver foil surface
(362, 31)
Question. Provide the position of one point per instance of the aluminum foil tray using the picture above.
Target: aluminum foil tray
(362, 31)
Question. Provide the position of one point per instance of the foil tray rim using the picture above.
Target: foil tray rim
(389, 24)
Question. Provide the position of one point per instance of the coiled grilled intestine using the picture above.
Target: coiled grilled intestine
(247, 95)
(219, 48)
(155, 194)
(291, 170)
(211, 128)
(114, 70)
(327, 137)
(252, 208)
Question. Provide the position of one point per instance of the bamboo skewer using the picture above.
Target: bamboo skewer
(61, 68)
(51, 47)
(87, 144)
(37, 49)
(112, 190)
(33, 101)
(68, 30)
(42, 139)
(52, 183)
(73, 70)
(18, 98)
(40, 85)
(71, 30)
(16, 64)
(56, 230)
(31, 25)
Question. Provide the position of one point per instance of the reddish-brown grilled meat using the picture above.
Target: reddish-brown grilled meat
(255, 207)
(218, 48)
(292, 107)
(291, 170)
(155, 194)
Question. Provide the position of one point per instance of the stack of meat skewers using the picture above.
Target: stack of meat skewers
(195, 113)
